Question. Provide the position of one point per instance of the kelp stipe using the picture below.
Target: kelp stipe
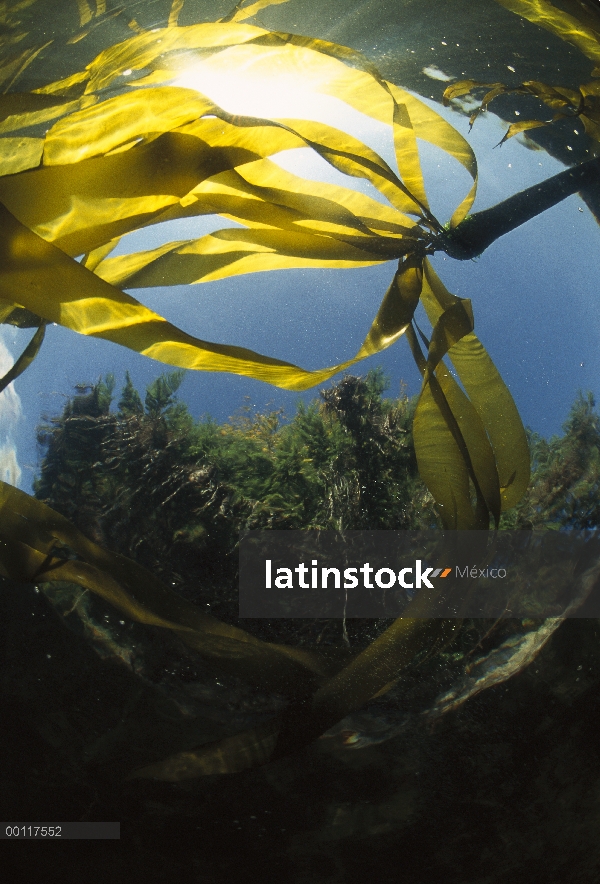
(474, 459)
(212, 162)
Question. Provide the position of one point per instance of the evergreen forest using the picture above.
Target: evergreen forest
(140, 476)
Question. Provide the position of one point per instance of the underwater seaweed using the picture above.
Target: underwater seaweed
(102, 153)
(122, 154)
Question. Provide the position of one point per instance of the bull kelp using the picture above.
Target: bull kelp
(128, 148)
(188, 157)
(580, 29)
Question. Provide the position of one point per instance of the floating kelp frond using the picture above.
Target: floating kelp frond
(568, 27)
(581, 30)
(513, 655)
(35, 545)
(25, 359)
(148, 155)
(350, 689)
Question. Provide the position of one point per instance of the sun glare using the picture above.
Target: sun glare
(265, 84)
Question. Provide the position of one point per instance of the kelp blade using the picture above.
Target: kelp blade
(31, 535)
(489, 396)
(59, 289)
(25, 359)
(372, 672)
(560, 23)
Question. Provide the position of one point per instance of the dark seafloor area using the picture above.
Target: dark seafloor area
(506, 788)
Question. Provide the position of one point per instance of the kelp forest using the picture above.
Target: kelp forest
(154, 700)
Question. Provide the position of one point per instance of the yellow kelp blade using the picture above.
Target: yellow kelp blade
(19, 110)
(92, 259)
(230, 252)
(404, 136)
(336, 228)
(176, 8)
(407, 115)
(294, 52)
(462, 87)
(25, 359)
(496, 90)
(345, 153)
(234, 754)
(521, 126)
(19, 154)
(89, 203)
(377, 667)
(452, 448)
(452, 325)
(350, 77)
(30, 534)
(72, 85)
(563, 25)
(59, 289)
(141, 51)
(85, 13)
(128, 118)
(397, 308)
(95, 199)
(261, 193)
(488, 394)
(407, 155)
(241, 12)
(557, 98)
(427, 125)
(446, 421)
(360, 85)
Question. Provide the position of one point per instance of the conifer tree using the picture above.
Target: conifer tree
(130, 402)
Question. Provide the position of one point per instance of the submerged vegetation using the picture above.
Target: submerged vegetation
(143, 495)
(120, 119)
(99, 162)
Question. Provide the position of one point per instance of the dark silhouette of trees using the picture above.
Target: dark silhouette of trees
(565, 486)
(149, 482)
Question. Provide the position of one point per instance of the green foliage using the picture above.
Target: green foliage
(160, 395)
(130, 402)
(565, 486)
(74, 445)
(174, 494)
